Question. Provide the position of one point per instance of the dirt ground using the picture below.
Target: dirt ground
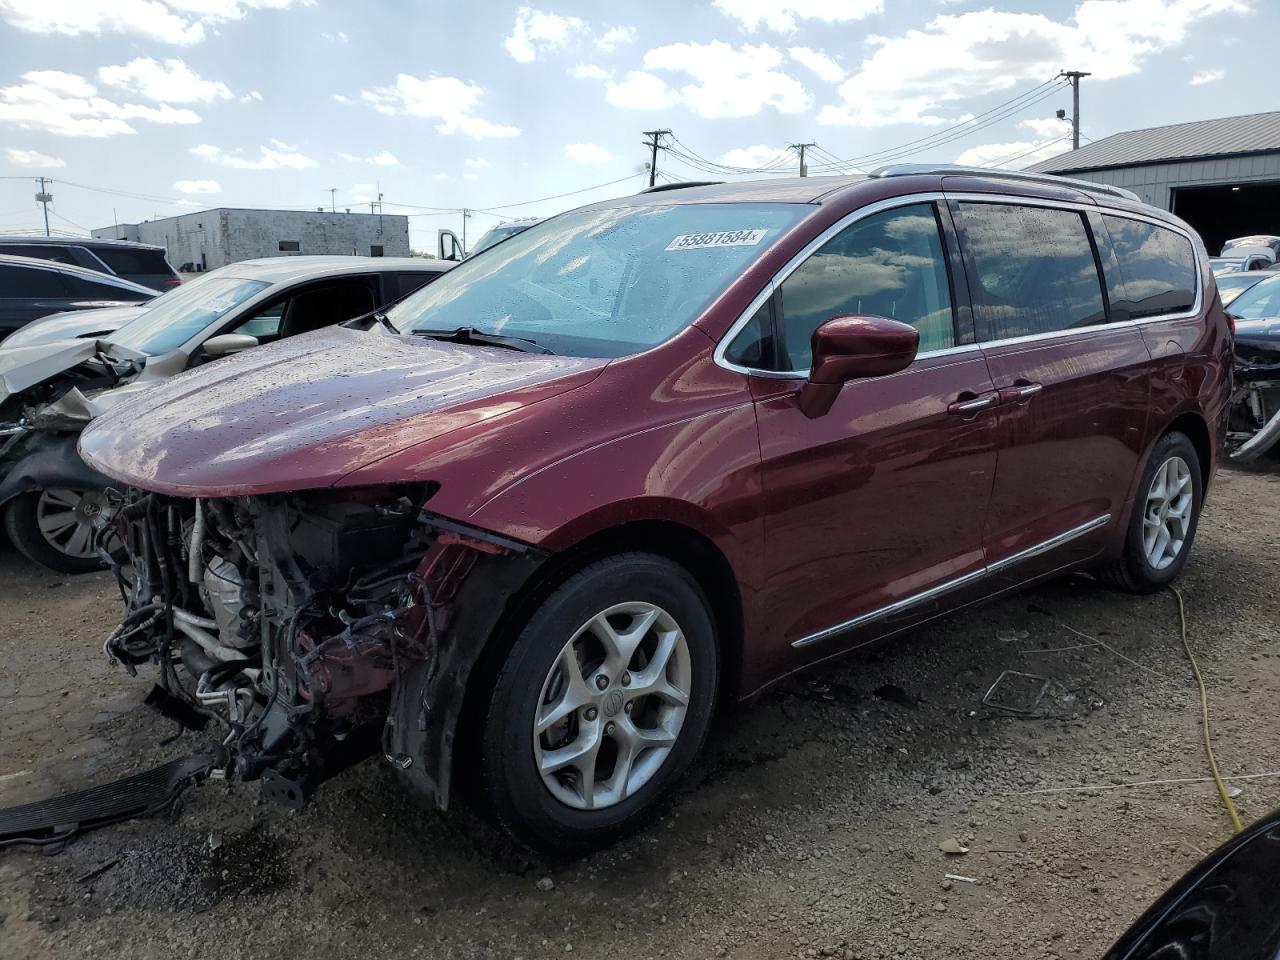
(811, 827)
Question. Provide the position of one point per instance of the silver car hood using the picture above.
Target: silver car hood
(72, 324)
(22, 368)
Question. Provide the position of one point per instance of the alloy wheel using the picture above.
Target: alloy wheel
(1166, 520)
(69, 521)
(612, 706)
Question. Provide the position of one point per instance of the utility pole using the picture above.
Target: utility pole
(653, 143)
(800, 148)
(332, 193)
(1074, 76)
(43, 197)
(466, 215)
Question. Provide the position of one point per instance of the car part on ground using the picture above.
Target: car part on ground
(681, 450)
(50, 390)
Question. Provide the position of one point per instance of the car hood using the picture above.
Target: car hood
(23, 367)
(305, 412)
(72, 324)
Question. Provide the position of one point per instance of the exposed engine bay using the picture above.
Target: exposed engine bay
(313, 629)
(1254, 427)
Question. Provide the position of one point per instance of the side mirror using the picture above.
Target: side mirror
(854, 347)
(449, 247)
(225, 344)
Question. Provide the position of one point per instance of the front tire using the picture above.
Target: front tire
(56, 528)
(601, 706)
(1165, 516)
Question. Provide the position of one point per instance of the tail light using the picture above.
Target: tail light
(175, 282)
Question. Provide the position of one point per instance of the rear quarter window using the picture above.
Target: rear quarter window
(1157, 268)
(128, 262)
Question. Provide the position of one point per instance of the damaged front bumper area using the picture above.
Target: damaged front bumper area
(313, 629)
(1255, 401)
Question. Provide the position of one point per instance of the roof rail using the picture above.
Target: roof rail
(662, 187)
(956, 170)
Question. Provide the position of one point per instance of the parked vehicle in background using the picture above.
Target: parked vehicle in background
(500, 232)
(140, 262)
(52, 501)
(1226, 266)
(658, 453)
(1255, 404)
(31, 288)
(1231, 285)
(1257, 241)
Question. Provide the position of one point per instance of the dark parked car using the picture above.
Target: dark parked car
(49, 390)
(655, 454)
(1255, 405)
(140, 262)
(31, 288)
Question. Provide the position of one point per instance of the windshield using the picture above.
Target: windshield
(1258, 302)
(1232, 285)
(183, 312)
(602, 282)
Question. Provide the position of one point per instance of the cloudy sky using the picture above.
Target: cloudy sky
(144, 108)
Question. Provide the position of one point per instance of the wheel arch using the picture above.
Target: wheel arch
(674, 541)
(1196, 429)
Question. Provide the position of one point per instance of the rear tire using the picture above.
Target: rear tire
(1166, 513)
(618, 668)
(54, 528)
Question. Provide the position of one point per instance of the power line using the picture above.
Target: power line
(653, 143)
(558, 196)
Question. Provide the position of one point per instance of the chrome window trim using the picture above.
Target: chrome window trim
(718, 356)
(947, 586)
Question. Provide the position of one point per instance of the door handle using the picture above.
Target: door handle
(965, 407)
(1019, 392)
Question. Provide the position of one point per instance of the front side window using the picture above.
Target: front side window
(1033, 269)
(1158, 267)
(889, 264)
(602, 282)
(184, 312)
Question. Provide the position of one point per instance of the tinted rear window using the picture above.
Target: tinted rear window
(1157, 267)
(130, 262)
(1033, 269)
(30, 283)
(38, 251)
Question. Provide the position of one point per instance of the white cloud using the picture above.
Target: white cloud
(339, 37)
(589, 71)
(68, 104)
(824, 66)
(956, 57)
(536, 32)
(477, 163)
(34, 158)
(587, 153)
(732, 82)
(757, 156)
(616, 37)
(782, 15)
(1207, 76)
(341, 98)
(251, 96)
(447, 99)
(639, 91)
(282, 146)
(269, 157)
(197, 186)
(1015, 155)
(1046, 127)
(169, 82)
(384, 158)
(180, 22)
(440, 176)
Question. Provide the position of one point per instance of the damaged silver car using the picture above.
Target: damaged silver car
(49, 389)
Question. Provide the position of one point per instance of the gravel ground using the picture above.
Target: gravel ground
(811, 827)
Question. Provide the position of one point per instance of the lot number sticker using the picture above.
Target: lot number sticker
(724, 238)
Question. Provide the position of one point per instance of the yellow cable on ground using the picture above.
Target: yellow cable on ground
(1204, 714)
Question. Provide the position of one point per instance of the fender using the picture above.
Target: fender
(42, 460)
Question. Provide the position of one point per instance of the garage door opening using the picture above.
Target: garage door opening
(1221, 213)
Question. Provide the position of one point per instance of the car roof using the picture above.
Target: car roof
(280, 269)
(35, 263)
(77, 242)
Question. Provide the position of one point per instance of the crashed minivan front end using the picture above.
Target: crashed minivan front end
(313, 629)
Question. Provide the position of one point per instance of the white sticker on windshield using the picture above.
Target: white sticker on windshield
(724, 238)
(218, 304)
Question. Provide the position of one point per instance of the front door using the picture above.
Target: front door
(1073, 387)
(876, 507)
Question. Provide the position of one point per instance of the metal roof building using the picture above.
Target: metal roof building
(1221, 176)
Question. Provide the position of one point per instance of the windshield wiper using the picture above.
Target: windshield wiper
(383, 319)
(480, 338)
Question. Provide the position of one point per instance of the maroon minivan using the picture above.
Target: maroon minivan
(531, 526)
